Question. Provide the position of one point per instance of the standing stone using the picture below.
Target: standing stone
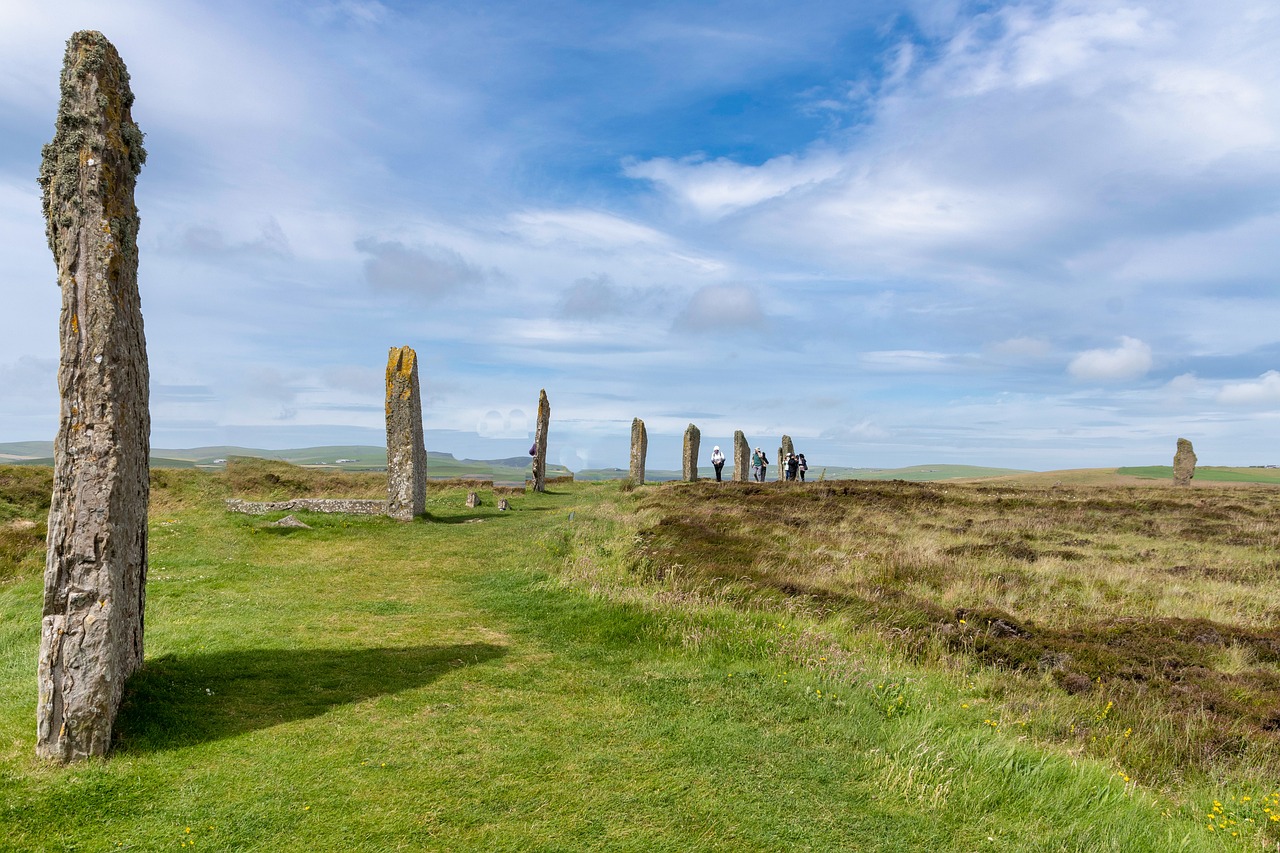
(639, 450)
(473, 500)
(741, 457)
(540, 443)
(96, 566)
(1184, 463)
(692, 442)
(784, 450)
(406, 452)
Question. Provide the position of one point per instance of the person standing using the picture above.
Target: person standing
(804, 466)
(793, 466)
(717, 461)
(760, 463)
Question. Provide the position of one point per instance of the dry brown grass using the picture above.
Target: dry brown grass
(1163, 600)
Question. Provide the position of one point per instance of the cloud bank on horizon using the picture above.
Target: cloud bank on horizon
(1031, 234)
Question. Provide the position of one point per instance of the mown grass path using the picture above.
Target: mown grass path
(375, 686)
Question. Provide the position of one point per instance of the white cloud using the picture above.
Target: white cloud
(1022, 349)
(863, 430)
(721, 308)
(427, 270)
(590, 228)
(1264, 391)
(907, 361)
(514, 424)
(1131, 360)
(721, 186)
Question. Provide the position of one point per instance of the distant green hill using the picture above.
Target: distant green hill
(343, 457)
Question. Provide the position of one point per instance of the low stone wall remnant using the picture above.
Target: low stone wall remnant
(349, 506)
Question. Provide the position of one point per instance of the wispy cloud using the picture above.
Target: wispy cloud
(721, 308)
(432, 271)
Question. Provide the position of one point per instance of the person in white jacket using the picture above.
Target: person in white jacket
(717, 461)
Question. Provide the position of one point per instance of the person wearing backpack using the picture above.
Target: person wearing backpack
(804, 466)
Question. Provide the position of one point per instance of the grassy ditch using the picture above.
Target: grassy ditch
(614, 669)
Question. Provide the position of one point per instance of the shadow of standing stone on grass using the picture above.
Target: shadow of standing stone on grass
(183, 700)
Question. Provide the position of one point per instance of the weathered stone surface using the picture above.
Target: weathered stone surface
(473, 500)
(780, 460)
(503, 505)
(1184, 463)
(741, 457)
(96, 566)
(406, 452)
(540, 443)
(348, 506)
(292, 522)
(639, 451)
(692, 442)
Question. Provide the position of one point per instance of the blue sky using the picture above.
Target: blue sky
(1041, 235)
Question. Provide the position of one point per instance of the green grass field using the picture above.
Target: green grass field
(1207, 474)
(678, 667)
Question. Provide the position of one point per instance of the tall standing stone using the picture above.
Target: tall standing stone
(639, 450)
(784, 450)
(540, 443)
(96, 566)
(692, 442)
(406, 452)
(741, 457)
(1184, 463)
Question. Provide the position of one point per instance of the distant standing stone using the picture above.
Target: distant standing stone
(406, 453)
(741, 457)
(291, 521)
(503, 505)
(540, 443)
(692, 443)
(784, 450)
(639, 450)
(96, 565)
(1184, 463)
(473, 500)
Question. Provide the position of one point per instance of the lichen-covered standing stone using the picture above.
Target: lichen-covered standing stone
(540, 443)
(1184, 463)
(639, 450)
(692, 442)
(741, 457)
(96, 567)
(784, 450)
(406, 451)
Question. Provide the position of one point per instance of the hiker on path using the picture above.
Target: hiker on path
(717, 461)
